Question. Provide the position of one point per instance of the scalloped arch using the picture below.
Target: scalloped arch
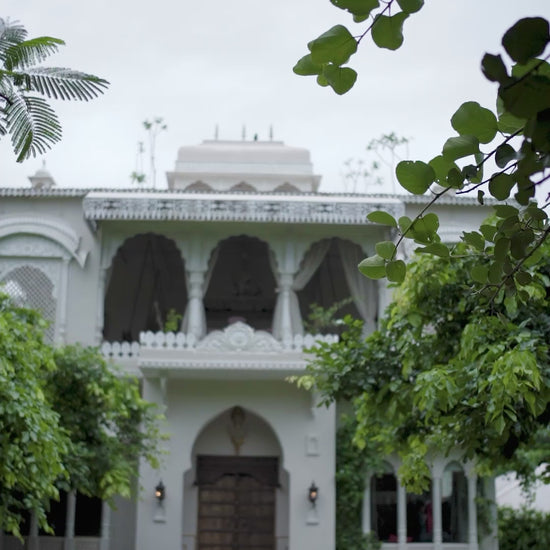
(50, 228)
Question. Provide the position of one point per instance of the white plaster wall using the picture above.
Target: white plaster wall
(192, 404)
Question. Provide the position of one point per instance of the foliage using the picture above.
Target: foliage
(32, 443)
(110, 426)
(24, 114)
(524, 529)
(446, 371)
(515, 137)
(352, 469)
(321, 319)
(68, 421)
(173, 320)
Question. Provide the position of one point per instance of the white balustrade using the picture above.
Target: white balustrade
(181, 341)
(120, 350)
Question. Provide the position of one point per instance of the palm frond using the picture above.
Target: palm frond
(11, 33)
(32, 124)
(59, 83)
(30, 52)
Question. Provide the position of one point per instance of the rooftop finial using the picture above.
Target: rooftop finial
(216, 132)
(244, 133)
(271, 132)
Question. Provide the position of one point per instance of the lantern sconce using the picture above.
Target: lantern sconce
(160, 492)
(313, 493)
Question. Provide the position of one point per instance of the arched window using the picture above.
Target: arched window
(383, 490)
(146, 288)
(454, 504)
(329, 286)
(29, 287)
(242, 286)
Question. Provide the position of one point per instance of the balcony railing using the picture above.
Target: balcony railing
(239, 337)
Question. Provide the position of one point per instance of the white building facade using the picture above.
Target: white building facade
(202, 291)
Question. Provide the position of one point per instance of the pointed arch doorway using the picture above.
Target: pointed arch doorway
(236, 508)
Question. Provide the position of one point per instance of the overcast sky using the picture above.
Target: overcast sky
(206, 63)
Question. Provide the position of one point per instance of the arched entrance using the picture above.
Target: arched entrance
(239, 494)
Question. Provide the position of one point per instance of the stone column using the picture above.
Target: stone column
(195, 304)
(366, 513)
(62, 302)
(69, 521)
(285, 288)
(105, 526)
(100, 307)
(436, 511)
(401, 516)
(472, 510)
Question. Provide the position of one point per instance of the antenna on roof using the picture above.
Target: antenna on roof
(216, 132)
(244, 133)
(271, 132)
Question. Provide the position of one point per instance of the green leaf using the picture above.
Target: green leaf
(461, 146)
(381, 217)
(385, 249)
(415, 177)
(507, 122)
(493, 68)
(387, 31)
(396, 271)
(341, 79)
(437, 249)
(404, 224)
(322, 81)
(334, 46)
(502, 246)
(442, 167)
(525, 97)
(504, 154)
(505, 210)
(373, 267)
(306, 67)
(356, 7)
(488, 231)
(494, 275)
(473, 119)
(526, 39)
(475, 239)
(523, 278)
(410, 6)
(479, 273)
(500, 186)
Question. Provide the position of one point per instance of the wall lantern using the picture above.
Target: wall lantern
(313, 493)
(160, 491)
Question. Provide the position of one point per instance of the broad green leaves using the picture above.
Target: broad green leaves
(474, 120)
(327, 54)
(387, 31)
(526, 39)
(415, 177)
(334, 46)
(333, 49)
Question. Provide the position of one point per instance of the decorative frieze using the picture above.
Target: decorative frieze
(255, 208)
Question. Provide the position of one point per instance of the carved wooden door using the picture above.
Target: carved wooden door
(236, 503)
